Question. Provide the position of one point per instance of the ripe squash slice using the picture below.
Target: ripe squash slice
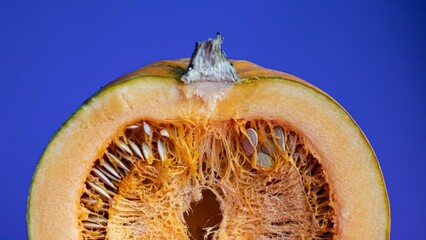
(282, 159)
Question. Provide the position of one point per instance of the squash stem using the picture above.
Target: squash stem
(210, 64)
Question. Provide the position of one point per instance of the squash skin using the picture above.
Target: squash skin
(176, 68)
(247, 71)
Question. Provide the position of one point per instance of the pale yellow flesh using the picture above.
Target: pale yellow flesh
(350, 163)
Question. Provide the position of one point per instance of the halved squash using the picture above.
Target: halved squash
(205, 149)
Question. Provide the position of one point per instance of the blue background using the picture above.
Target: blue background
(369, 55)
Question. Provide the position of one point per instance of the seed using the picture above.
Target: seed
(164, 133)
(110, 169)
(264, 160)
(97, 219)
(118, 161)
(97, 209)
(161, 150)
(106, 173)
(146, 151)
(268, 147)
(296, 156)
(103, 178)
(133, 127)
(92, 225)
(123, 146)
(88, 200)
(279, 134)
(99, 190)
(292, 147)
(129, 158)
(135, 149)
(95, 205)
(147, 129)
(250, 141)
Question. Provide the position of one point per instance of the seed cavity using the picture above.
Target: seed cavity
(259, 168)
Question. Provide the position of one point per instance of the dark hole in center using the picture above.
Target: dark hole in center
(205, 213)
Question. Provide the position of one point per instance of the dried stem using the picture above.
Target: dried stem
(209, 64)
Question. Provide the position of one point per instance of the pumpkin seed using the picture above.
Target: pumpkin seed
(133, 127)
(92, 225)
(103, 178)
(123, 146)
(161, 150)
(147, 129)
(135, 149)
(97, 219)
(279, 134)
(88, 200)
(250, 141)
(130, 159)
(264, 160)
(147, 153)
(164, 133)
(99, 190)
(110, 169)
(118, 161)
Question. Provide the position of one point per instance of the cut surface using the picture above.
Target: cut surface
(324, 183)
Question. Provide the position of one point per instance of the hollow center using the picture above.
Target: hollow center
(205, 214)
